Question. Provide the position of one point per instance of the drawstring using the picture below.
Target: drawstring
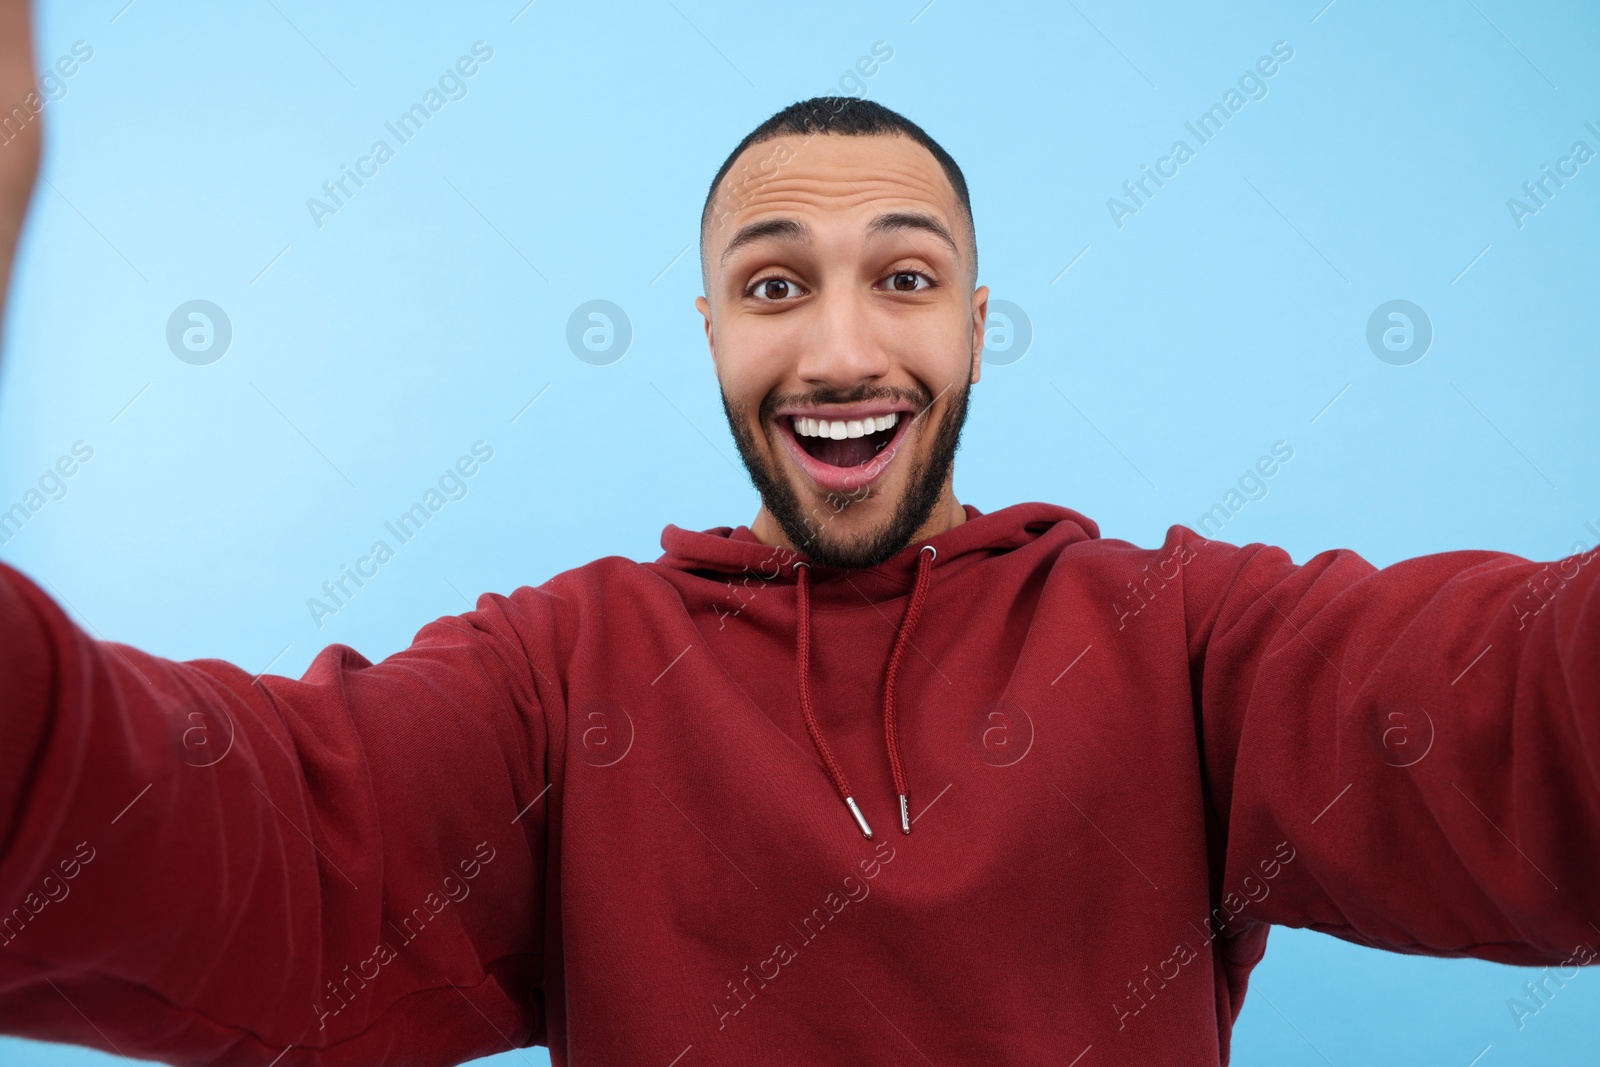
(803, 648)
(891, 727)
(891, 730)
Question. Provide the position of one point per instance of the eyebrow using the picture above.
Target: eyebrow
(786, 229)
(913, 220)
(794, 230)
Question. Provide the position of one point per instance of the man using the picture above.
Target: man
(876, 779)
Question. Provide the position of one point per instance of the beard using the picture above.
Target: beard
(808, 530)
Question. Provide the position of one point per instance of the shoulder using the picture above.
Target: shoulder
(567, 598)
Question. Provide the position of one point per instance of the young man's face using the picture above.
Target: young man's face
(846, 331)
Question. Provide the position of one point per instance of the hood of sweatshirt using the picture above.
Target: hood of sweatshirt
(735, 550)
(724, 551)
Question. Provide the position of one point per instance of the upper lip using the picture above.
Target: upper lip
(847, 412)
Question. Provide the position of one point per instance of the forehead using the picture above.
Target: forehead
(830, 174)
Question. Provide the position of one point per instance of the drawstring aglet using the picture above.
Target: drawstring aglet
(861, 820)
(905, 814)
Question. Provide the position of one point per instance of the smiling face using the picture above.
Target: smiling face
(846, 332)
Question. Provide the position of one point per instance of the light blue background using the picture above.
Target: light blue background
(424, 316)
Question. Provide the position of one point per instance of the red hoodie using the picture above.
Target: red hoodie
(606, 813)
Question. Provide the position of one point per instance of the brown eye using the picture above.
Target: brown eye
(906, 281)
(774, 288)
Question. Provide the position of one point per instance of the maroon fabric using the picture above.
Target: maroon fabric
(589, 814)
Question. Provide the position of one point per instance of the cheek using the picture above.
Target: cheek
(757, 358)
(933, 348)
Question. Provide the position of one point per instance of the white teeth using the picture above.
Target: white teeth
(839, 429)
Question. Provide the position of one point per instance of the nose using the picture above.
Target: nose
(844, 349)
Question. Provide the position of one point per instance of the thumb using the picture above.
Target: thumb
(21, 120)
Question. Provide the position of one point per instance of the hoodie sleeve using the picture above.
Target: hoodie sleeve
(1406, 758)
(202, 867)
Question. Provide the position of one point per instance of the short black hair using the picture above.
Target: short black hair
(851, 116)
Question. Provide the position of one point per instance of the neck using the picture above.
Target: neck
(947, 514)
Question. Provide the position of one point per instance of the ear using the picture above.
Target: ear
(702, 305)
(980, 316)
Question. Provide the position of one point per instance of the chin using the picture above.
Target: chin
(841, 522)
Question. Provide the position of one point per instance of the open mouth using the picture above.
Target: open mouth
(845, 442)
(845, 455)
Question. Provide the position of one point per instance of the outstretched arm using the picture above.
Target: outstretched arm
(203, 867)
(1421, 742)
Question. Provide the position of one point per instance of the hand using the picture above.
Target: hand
(20, 131)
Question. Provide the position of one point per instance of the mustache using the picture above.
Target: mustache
(920, 399)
